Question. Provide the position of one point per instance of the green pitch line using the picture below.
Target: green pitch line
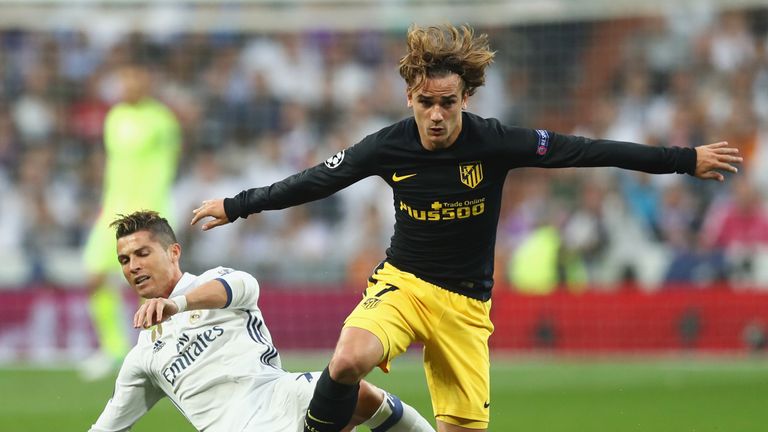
(549, 395)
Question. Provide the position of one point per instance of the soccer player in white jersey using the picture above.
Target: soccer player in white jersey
(206, 347)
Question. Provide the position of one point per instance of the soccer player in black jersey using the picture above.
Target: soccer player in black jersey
(446, 168)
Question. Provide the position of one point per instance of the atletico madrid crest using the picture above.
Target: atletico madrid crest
(471, 173)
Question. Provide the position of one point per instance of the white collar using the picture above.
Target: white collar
(183, 284)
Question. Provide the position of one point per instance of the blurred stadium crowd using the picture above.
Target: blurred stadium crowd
(258, 107)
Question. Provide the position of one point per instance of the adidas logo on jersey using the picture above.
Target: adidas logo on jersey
(157, 346)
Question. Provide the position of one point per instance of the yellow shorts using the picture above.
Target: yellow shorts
(400, 308)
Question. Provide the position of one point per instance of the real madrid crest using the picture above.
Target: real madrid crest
(194, 316)
(471, 173)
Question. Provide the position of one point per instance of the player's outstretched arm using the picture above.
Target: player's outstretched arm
(134, 395)
(210, 208)
(713, 158)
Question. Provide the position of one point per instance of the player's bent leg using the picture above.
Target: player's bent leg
(332, 405)
(457, 363)
(395, 415)
(456, 424)
(357, 352)
(333, 402)
(384, 412)
(369, 399)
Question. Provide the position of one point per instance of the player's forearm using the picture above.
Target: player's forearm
(584, 152)
(134, 395)
(296, 189)
(275, 197)
(210, 295)
(233, 290)
(309, 185)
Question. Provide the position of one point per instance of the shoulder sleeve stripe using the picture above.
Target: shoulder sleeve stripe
(229, 292)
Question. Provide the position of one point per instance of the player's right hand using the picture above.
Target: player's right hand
(154, 311)
(210, 208)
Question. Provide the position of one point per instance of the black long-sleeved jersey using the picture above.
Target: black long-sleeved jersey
(447, 201)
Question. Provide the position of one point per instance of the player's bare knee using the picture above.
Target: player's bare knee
(349, 367)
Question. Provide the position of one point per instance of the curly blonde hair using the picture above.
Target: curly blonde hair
(436, 51)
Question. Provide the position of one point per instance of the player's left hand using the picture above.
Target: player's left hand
(154, 311)
(713, 158)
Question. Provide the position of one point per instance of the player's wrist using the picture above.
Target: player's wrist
(180, 302)
(233, 207)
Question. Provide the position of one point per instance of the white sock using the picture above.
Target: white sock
(394, 415)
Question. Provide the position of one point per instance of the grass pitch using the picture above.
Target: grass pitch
(543, 395)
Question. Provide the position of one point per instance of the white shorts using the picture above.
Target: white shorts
(288, 404)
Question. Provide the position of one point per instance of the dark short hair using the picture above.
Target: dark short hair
(145, 220)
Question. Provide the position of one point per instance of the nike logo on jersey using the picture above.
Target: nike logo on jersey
(396, 178)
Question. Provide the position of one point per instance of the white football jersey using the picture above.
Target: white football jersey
(219, 367)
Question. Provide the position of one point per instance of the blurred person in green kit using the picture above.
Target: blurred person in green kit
(142, 143)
